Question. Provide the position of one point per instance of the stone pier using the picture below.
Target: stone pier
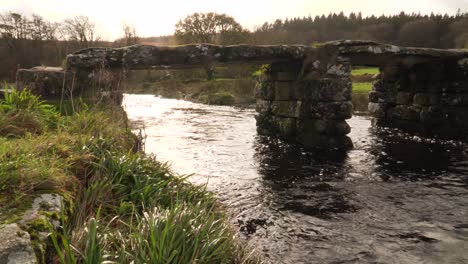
(430, 98)
(306, 101)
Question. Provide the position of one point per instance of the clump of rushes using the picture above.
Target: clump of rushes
(126, 207)
(21, 112)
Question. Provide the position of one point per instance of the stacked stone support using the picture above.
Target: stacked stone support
(431, 98)
(44, 81)
(306, 101)
(55, 82)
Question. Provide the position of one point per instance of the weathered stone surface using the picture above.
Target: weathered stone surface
(373, 53)
(403, 112)
(382, 85)
(427, 91)
(42, 211)
(286, 108)
(456, 116)
(51, 203)
(339, 70)
(323, 90)
(284, 76)
(324, 126)
(453, 99)
(264, 91)
(325, 141)
(432, 115)
(145, 56)
(263, 106)
(455, 86)
(333, 110)
(304, 132)
(44, 81)
(463, 64)
(424, 99)
(390, 73)
(286, 66)
(377, 97)
(52, 82)
(378, 110)
(356, 52)
(404, 98)
(284, 91)
(287, 126)
(15, 246)
(91, 58)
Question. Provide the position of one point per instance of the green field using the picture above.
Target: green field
(362, 87)
(362, 71)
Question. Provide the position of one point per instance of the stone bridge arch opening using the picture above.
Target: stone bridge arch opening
(304, 95)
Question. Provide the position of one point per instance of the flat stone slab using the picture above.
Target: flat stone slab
(377, 54)
(146, 56)
(45, 81)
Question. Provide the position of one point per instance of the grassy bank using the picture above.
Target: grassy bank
(122, 206)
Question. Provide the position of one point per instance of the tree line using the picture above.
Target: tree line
(27, 41)
(430, 31)
(32, 40)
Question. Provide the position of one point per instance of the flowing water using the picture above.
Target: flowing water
(394, 198)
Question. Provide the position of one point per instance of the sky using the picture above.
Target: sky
(155, 17)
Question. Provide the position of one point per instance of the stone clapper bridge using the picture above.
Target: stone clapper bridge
(305, 94)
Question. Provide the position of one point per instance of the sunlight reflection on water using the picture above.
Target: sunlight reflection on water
(394, 198)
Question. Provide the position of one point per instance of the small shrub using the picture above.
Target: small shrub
(220, 98)
(22, 113)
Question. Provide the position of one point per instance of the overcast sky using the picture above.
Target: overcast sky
(154, 17)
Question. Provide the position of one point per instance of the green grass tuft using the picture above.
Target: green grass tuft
(362, 87)
(21, 112)
(363, 71)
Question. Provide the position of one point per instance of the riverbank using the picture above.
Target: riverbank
(114, 203)
(221, 91)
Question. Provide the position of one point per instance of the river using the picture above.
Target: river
(394, 198)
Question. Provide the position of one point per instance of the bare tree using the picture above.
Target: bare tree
(16, 26)
(13, 26)
(80, 29)
(130, 34)
(40, 29)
